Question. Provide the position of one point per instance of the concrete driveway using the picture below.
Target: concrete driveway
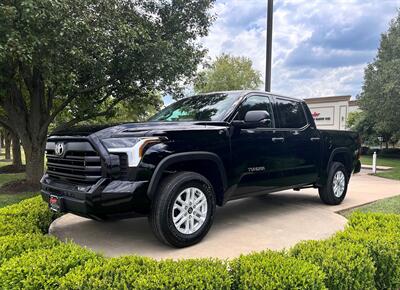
(275, 221)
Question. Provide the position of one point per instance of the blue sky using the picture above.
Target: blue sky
(320, 47)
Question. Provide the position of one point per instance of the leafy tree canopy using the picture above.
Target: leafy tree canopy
(85, 57)
(228, 73)
(380, 97)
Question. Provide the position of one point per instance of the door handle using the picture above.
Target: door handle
(278, 139)
(314, 139)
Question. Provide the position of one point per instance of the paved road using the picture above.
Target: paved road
(274, 221)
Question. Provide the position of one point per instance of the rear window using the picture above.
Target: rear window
(291, 114)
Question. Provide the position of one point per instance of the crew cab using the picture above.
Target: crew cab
(196, 154)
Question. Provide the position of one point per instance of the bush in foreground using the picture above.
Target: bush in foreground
(144, 273)
(375, 222)
(383, 248)
(29, 216)
(346, 265)
(15, 245)
(364, 256)
(274, 270)
(42, 268)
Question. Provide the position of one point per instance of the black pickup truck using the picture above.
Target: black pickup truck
(195, 154)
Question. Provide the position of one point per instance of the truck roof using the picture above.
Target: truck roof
(242, 93)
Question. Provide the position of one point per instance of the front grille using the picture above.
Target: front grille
(78, 163)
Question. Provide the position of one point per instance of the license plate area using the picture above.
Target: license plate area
(55, 203)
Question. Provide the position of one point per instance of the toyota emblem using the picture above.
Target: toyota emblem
(59, 150)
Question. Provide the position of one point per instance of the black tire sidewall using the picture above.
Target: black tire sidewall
(170, 190)
(336, 166)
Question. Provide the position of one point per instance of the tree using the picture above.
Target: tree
(86, 57)
(228, 73)
(359, 122)
(16, 153)
(380, 97)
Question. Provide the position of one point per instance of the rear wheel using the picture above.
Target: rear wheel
(183, 210)
(335, 189)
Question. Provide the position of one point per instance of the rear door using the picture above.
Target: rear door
(256, 153)
(302, 143)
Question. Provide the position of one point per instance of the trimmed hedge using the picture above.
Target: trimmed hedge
(29, 216)
(375, 222)
(346, 265)
(43, 268)
(384, 249)
(274, 270)
(144, 273)
(15, 245)
(366, 255)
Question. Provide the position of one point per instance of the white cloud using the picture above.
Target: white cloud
(319, 47)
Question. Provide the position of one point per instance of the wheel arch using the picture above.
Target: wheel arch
(191, 161)
(342, 155)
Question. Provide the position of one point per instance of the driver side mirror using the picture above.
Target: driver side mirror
(254, 119)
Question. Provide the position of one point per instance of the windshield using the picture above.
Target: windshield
(210, 107)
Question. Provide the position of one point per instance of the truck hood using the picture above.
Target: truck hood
(138, 129)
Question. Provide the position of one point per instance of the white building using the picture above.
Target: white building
(331, 112)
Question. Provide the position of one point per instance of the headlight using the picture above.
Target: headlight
(133, 147)
(120, 142)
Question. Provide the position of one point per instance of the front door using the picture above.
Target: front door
(256, 153)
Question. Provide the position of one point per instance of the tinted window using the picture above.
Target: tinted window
(255, 103)
(291, 113)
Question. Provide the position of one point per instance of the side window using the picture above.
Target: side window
(255, 103)
(291, 114)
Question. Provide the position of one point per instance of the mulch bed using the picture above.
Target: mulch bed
(12, 169)
(19, 186)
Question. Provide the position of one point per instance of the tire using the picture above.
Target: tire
(172, 200)
(327, 193)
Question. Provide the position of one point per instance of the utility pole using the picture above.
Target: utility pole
(270, 13)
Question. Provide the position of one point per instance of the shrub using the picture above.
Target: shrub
(42, 268)
(144, 273)
(15, 245)
(192, 274)
(375, 222)
(390, 153)
(29, 216)
(384, 251)
(346, 265)
(274, 270)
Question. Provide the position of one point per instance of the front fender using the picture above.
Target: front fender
(181, 157)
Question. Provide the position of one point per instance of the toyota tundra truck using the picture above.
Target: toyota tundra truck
(196, 154)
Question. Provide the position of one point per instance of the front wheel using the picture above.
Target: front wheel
(335, 189)
(183, 209)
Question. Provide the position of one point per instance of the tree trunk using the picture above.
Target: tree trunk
(34, 152)
(7, 145)
(16, 152)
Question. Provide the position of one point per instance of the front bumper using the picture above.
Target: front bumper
(105, 199)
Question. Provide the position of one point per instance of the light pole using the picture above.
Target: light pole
(270, 14)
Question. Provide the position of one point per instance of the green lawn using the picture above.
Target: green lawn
(387, 205)
(5, 198)
(392, 162)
